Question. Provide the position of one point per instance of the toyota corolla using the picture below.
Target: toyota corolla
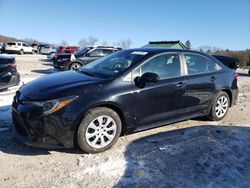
(125, 92)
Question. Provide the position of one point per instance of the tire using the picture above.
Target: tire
(74, 66)
(21, 52)
(220, 106)
(92, 138)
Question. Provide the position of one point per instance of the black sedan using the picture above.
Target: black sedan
(125, 92)
(8, 73)
(66, 61)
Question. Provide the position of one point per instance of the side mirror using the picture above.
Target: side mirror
(147, 77)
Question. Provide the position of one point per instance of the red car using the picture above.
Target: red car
(67, 49)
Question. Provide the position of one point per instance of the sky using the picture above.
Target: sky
(217, 23)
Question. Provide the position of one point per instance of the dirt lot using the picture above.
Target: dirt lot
(194, 153)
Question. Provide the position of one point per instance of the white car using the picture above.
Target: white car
(18, 47)
(45, 50)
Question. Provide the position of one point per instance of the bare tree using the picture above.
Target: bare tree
(188, 44)
(83, 42)
(125, 43)
(31, 41)
(63, 42)
(92, 40)
(105, 43)
(89, 41)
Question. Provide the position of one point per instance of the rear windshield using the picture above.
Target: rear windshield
(11, 43)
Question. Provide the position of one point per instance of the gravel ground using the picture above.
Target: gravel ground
(194, 153)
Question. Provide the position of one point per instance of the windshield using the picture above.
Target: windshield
(113, 65)
(81, 52)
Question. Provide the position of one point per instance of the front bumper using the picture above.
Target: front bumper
(52, 131)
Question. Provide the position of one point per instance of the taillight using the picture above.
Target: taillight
(236, 75)
(12, 65)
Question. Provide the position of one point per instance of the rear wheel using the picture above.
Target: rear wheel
(220, 106)
(21, 52)
(75, 66)
(99, 130)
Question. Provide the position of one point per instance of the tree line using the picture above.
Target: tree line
(86, 41)
(242, 56)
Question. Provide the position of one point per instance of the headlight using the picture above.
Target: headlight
(52, 106)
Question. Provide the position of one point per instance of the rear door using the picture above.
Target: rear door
(201, 81)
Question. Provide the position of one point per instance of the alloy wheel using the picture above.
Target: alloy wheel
(221, 106)
(75, 66)
(101, 132)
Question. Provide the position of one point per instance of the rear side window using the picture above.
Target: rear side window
(107, 51)
(196, 64)
(212, 66)
(96, 53)
(11, 43)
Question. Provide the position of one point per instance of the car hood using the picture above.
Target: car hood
(58, 85)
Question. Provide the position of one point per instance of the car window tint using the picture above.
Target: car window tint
(107, 51)
(96, 53)
(195, 64)
(212, 66)
(165, 66)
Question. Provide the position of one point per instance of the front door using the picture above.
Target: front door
(161, 101)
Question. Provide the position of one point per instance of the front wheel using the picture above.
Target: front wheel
(75, 66)
(99, 130)
(220, 106)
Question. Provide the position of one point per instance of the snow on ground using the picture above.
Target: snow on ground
(6, 98)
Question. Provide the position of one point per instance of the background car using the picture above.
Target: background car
(35, 46)
(51, 55)
(18, 47)
(66, 61)
(67, 49)
(8, 73)
(228, 61)
(1, 47)
(45, 50)
(124, 92)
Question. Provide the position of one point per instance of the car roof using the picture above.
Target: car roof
(160, 50)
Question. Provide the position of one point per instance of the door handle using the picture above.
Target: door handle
(181, 84)
(212, 78)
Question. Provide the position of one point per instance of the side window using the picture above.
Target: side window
(165, 66)
(212, 66)
(195, 64)
(107, 51)
(25, 45)
(19, 44)
(96, 53)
